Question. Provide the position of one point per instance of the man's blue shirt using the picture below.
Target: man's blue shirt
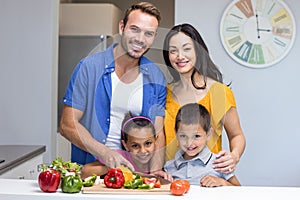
(90, 90)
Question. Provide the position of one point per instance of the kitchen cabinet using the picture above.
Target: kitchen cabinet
(88, 19)
(21, 161)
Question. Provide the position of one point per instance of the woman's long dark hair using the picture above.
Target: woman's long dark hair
(204, 65)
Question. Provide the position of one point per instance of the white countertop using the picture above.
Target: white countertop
(29, 189)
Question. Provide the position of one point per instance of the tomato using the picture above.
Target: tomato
(157, 184)
(152, 182)
(186, 184)
(149, 180)
(177, 188)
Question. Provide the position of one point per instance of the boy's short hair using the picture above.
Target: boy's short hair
(191, 114)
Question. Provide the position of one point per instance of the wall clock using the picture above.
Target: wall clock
(257, 33)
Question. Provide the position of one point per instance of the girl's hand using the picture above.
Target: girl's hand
(225, 162)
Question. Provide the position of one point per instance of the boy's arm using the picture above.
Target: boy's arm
(213, 181)
(234, 181)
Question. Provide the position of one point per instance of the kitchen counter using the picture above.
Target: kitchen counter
(28, 189)
(15, 155)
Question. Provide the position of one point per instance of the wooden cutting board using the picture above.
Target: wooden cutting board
(102, 189)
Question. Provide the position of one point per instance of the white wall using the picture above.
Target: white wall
(28, 73)
(268, 99)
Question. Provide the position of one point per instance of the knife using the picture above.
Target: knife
(161, 179)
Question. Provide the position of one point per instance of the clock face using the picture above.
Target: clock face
(257, 33)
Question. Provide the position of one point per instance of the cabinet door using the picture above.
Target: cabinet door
(26, 170)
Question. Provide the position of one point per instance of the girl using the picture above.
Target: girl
(138, 139)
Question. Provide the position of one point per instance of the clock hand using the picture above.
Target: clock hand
(257, 25)
(267, 30)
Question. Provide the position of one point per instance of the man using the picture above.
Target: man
(106, 85)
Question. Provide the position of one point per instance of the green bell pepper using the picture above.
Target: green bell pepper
(133, 184)
(144, 186)
(136, 183)
(71, 184)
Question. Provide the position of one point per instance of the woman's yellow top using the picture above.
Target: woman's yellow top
(218, 100)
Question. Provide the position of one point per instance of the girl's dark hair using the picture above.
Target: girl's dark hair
(191, 114)
(131, 121)
(204, 65)
(144, 7)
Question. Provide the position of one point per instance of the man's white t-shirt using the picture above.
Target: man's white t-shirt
(125, 98)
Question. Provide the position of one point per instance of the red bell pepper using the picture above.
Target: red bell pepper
(49, 180)
(114, 178)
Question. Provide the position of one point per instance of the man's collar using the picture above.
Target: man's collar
(110, 63)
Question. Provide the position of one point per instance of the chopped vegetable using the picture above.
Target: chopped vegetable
(144, 186)
(127, 173)
(153, 182)
(139, 182)
(133, 184)
(89, 181)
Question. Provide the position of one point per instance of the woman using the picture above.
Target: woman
(197, 79)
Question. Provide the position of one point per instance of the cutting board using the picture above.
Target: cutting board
(100, 188)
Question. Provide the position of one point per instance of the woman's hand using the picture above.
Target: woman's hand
(226, 162)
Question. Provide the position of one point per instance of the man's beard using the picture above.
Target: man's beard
(132, 54)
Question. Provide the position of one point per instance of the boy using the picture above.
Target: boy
(194, 161)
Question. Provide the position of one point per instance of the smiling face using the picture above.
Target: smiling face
(182, 53)
(138, 34)
(141, 144)
(192, 139)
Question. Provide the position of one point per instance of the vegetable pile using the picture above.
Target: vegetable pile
(122, 177)
(67, 174)
(139, 182)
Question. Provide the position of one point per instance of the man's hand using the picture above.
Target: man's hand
(113, 159)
